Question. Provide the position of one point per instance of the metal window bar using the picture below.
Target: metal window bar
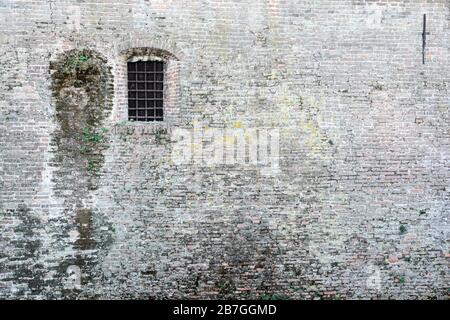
(145, 90)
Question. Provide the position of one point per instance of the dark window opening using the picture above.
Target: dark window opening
(145, 90)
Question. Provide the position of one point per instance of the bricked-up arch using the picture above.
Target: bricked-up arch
(171, 90)
(82, 94)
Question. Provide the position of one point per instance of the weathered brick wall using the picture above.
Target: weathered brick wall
(358, 209)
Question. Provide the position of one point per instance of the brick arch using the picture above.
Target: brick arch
(164, 47)
(148, 52)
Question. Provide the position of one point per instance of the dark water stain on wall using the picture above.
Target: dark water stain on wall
(83, 220)
(82, 90)
(24, 270)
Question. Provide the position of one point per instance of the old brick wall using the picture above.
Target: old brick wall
(359, 207)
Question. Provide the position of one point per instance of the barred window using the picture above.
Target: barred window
(145, 90)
